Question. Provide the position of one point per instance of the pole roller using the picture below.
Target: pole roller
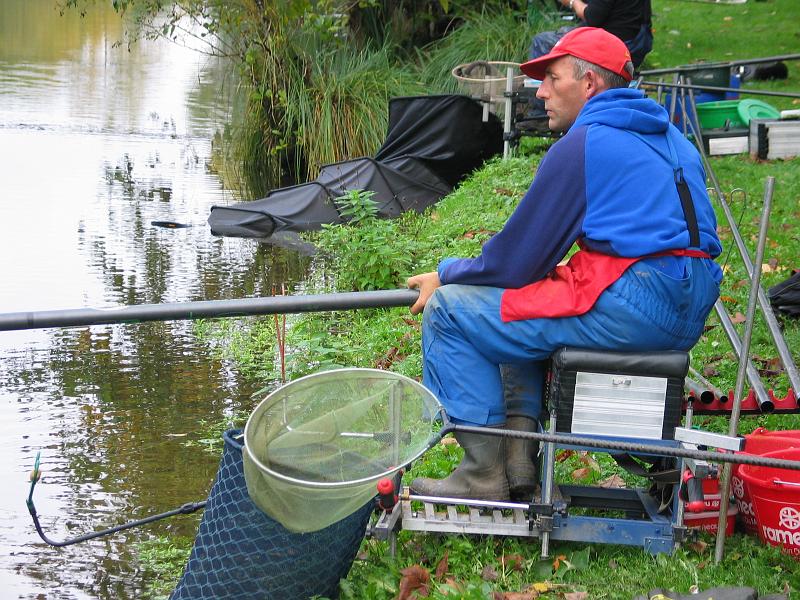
(208, 309)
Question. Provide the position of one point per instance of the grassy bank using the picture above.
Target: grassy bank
(379, 254)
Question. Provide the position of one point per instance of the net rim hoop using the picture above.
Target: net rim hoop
(354, 482)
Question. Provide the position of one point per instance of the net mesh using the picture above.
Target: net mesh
(316, 447)
(242, 553)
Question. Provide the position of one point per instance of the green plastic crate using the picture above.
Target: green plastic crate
(715, 115)
(733, 113)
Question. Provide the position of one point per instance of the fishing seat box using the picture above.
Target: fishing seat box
(617, 394)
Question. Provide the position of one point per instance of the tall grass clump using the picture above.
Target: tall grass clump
(500, 35)
(337, 106)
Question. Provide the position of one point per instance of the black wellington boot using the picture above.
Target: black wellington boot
(481, 475)
(521, 459)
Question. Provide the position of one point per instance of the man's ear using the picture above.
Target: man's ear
(593, 84)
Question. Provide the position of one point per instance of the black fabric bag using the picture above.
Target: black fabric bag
(785, 296)
(433, 142)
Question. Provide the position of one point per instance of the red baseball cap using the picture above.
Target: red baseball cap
(591, 44)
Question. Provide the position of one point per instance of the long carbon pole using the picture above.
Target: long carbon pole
(714, 88)
(713, 65)
(209, 309)
(766, 309)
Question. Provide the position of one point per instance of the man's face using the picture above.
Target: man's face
(563, 95)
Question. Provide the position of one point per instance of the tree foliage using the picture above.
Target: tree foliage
(316, 75)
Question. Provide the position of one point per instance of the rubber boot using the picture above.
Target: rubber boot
(481, 475)
(521, 459)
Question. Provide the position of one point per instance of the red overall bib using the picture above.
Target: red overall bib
(572, 289)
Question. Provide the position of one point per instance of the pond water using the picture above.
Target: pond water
(97, 141)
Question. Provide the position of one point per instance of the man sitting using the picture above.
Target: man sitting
(630, 189)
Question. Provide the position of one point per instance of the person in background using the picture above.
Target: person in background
(629, 20)
(630, 190)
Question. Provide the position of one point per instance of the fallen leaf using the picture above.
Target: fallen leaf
(769, 367)
(699, 546)
(526, 595)
(710, 371)
(576, 595)
(415, 578)
(455, 585)
(557, 562)
(615, 481)
(738, 318)
(512, 562)
(441, 568)
(504, 192)
(448, 441)
(471, 234)
(727, 18)
(489, 573)
(564, 455)
(542, 587)
(590, 462)
(581, 474)
(741, 283)
(728, 299)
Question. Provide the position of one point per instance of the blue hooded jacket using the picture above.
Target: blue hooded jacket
(611, 181)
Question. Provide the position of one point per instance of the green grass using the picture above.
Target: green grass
(475, 568)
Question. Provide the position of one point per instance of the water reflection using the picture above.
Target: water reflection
(96, 143)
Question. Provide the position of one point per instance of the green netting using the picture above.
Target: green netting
(315, 448)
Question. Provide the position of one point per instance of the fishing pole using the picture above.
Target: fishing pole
(717, 65)
(713, 88)
(207, 309)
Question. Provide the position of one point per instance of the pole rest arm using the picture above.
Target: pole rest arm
(699, 437)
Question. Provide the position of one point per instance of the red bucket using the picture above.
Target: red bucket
(760, 442)
(775, 494)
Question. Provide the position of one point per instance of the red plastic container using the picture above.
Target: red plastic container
(760, 442)
(775, 495)
(709, 520)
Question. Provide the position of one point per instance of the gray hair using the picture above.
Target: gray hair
(611, 79)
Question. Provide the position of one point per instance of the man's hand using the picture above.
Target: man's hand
(426, 283)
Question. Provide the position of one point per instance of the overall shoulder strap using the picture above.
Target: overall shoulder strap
(684, 193)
